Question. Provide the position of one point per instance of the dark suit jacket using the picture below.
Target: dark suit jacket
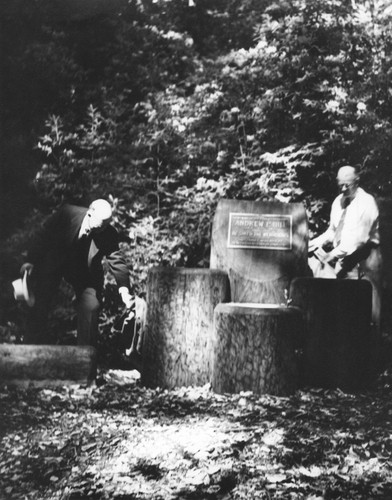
(53, 246)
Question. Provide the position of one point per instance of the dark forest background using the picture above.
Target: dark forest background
(166, 106)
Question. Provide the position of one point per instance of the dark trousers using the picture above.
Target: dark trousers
(87, 310)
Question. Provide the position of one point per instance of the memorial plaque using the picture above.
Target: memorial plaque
(262, 246)
(262, 231)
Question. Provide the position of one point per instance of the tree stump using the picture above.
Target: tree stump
(260, 270)
(177, 349)
(47, 364)
(385, 208)
(337, 340)
(255, 348)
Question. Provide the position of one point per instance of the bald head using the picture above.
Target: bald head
(101, 209)
(99, 215)
(347, 174)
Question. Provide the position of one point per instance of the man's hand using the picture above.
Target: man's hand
(324, 257)
(330, 258)
(27, 266)
(126, 297)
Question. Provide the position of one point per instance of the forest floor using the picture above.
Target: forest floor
(118, 440)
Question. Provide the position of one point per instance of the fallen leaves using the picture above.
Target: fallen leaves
(313, 471)
(121, 441)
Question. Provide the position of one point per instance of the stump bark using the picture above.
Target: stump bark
(177, 349)
(47, 364)
(337, 335)
(255, 348)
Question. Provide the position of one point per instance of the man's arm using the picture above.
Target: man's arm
(118, 267)
(319, 241)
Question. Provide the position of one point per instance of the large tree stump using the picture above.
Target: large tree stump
(177, 349)
(255, 348)
(385, 208)
(337, 340)
(260, 270)
(47, 364)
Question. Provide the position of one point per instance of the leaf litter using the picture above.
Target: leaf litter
(118, 440)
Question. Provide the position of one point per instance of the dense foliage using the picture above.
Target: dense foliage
(165, 106)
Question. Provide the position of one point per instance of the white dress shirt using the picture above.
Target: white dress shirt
(360, 224)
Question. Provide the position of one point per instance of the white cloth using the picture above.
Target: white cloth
(360, 224)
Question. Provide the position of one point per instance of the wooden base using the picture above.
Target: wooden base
(43, 365)
(255, 348)
(177, 348)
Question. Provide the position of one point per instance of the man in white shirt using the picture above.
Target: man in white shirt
(353, 233)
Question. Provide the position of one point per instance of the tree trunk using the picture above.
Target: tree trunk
(46, 364)
(255, 348)
(337, 341)
(177, 349)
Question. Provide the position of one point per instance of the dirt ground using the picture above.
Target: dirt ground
(118, 440)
